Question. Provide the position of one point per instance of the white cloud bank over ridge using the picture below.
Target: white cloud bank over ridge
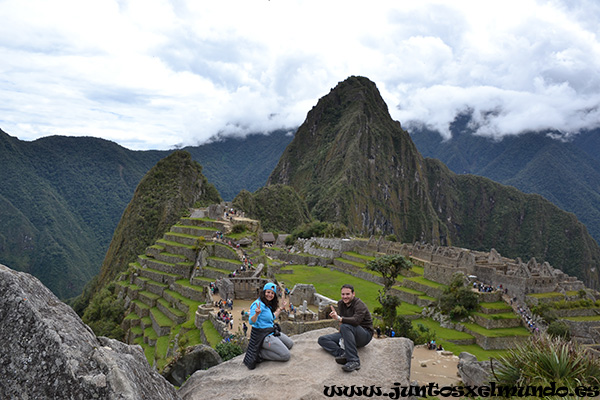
(153, 74)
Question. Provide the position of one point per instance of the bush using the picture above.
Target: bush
(457, 300)
(545, 360)
(238, 228)
(559, 329)
(391, 238)
(228, 350)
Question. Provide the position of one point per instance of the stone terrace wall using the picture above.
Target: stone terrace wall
(441, 273)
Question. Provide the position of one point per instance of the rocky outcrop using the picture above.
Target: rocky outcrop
(473, 372)
(47, 352)
(195, 358)
(306, 375)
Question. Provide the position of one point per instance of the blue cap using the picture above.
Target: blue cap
(270, 286)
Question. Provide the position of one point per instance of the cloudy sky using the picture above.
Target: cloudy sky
(154, 74)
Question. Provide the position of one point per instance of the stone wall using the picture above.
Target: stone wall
(294, 328)
(296, 258)
(491, 323)
(248, 288)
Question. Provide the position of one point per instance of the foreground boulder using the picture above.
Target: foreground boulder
(47, 352)
(473, 372)
(306, 375)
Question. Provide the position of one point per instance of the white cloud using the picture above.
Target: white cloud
(157, 73)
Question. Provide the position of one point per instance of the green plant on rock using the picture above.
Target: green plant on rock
(544, 360)
(228, 350)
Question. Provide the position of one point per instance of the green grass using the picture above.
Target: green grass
(149, 295)
(426, 282)
(162, 345)
(194, 337)
(150, 334)
(355, 263)
(408, 309)
(148, 352)
(497, 305)
(476, 350)
(160, 318)
(588, 318)
(409, 290)
(518, 331)
(131, 316)
(137, 330)
(418, 270)
(176, 244)
(167, 305)
(507, 315)
(358, 255)
(211, 333)
(547, 295)
(328, 283)
(229, 260)
(442, 333)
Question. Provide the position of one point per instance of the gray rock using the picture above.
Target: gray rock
(47, 352)
(305, 375)
(473, 372)
(195, 358)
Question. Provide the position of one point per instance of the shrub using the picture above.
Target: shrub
(559, 329)
(457, 300)
(228, 350)
(391, 238)
(544, 360)
(238, 228)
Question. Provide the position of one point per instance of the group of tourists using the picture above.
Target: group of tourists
(267, 342)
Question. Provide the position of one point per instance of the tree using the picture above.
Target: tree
(389, 266)
(457, 300)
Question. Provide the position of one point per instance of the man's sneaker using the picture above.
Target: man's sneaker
(351, 366)
(341, 359)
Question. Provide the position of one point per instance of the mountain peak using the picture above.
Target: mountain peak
(348, 156)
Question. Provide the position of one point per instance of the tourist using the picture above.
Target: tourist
(267, 342)
(356, 330)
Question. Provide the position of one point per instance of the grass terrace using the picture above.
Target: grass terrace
(506, 315)
(328, 282)
(361, 256)
(426, 282)
(497, 305)
(499, 332)
(443, 335)
(211, 333)
(547, 295)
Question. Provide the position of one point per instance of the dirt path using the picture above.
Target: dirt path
(433, 366)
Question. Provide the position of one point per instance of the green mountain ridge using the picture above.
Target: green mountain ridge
(173, 186)
(566, 172)
(62, 197)
(353, 164)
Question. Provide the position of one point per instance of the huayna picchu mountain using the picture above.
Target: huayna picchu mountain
(353, 164)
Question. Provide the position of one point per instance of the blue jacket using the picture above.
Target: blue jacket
(265, 319)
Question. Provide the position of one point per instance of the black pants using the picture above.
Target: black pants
(354, 337)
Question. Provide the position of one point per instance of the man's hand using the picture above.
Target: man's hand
(333, 314)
